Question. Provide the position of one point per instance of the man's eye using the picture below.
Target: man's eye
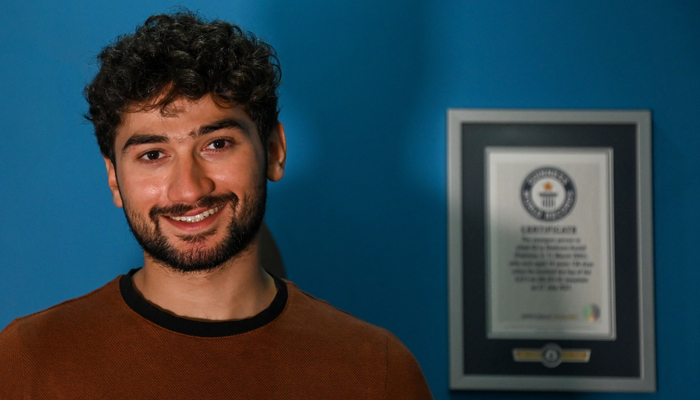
(152, 155)
(218, 144)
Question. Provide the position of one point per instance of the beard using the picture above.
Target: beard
(240, 232)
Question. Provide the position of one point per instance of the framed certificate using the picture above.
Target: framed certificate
(550, 250)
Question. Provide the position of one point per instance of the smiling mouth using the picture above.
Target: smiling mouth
(199, 217)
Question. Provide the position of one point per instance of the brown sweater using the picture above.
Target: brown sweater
(112, 344)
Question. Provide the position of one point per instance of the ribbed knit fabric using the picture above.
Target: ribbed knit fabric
(97, 347)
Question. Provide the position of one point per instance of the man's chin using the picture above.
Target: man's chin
(199, 238)
(193, 261)
(195, 253)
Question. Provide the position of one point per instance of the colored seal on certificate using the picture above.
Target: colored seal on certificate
(548, 194)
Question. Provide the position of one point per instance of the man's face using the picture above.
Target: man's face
(192, 181)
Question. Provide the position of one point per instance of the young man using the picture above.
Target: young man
(185, 113)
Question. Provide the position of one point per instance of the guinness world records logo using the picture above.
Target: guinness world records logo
(548, 194)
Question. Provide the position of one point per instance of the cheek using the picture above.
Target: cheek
(237, 180)
(142, 193)
(240, 175)
(152, 191)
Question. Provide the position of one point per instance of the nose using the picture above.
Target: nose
(189, 181)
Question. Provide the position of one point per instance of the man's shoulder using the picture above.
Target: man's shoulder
(69, 315)
(320, 316)
(350, 346)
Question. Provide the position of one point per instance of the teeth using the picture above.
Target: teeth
(198, 217)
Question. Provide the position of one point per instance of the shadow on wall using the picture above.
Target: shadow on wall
(270, 257)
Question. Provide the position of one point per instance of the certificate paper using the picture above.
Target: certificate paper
(549, 219)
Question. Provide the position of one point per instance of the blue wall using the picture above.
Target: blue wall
(360, 216)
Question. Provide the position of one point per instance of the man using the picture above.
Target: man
(185, 114)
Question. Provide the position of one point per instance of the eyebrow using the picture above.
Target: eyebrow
(146, 138)
(218, 125)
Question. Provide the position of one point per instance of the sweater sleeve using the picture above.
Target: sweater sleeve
(11, 364)
(404, 378)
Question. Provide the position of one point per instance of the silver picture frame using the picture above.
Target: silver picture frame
(495, 344)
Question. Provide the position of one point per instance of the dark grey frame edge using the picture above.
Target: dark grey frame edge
(458, 380)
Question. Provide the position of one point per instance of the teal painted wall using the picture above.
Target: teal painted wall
(360, 216)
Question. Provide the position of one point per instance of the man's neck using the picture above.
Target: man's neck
(236, 290)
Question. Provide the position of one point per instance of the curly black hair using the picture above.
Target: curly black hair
(182, 56)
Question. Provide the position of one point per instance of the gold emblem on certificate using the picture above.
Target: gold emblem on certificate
(551, 355)
(549, 228)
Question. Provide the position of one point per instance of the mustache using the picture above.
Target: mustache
(204, 202)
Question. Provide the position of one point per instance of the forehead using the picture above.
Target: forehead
(180, 118)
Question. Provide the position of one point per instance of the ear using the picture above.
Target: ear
(276, 153)
(112, 182)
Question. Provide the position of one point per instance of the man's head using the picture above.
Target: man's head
(181, 56)
(185, 113)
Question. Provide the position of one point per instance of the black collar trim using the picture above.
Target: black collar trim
(200, 328)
